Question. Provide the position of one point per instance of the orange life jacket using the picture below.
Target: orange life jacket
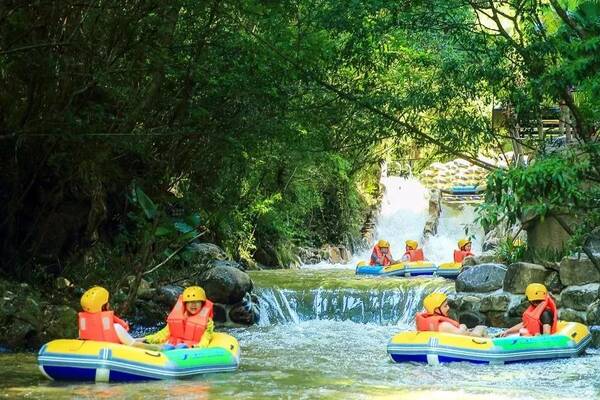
(459, 255)
(377, 255)
(188, 329)
(100, 326)
(431, 322)
(531, 316)
(415, 255)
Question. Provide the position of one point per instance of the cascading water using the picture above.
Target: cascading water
(340, 296)
(404, 211)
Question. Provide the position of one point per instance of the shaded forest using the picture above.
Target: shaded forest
(130, 128)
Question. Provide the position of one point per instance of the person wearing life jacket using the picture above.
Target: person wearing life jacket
(464, 250)
(97, 321)
(189, 324)
(381, 254)
(435, 318)
(540, 318)
(413, 253)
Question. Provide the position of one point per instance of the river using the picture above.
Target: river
(323, 335)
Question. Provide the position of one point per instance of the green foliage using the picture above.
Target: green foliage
(510, 251)
(556, 184)
(269, 119)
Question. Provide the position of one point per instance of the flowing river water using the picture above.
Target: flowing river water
(323, 335)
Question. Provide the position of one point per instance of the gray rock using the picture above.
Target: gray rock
(517, 307)
(336, 254)
(244, 312)
(227, 263)
(168, 295)
(592, 242)
(593, 313)
(567, 314)
(481, 278)
(311, 255)
(225, 284)
(495, 302)
(144, 291)
(219, 313)
(208, 251)
(553, 265)
(578, 270)
(499, 319)
(469, 261)
(521, 274)
(472, 318)
(579, 297)
(595, 331)
(487, 257)
(553, 283)
(470, 303)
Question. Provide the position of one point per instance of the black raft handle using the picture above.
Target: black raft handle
(479, 342)
(153, 354)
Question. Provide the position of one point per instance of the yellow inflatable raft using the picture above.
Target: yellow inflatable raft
(87, 360)
(570, 340)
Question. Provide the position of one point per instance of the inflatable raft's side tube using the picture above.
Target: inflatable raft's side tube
(78, 360)
(434, 347)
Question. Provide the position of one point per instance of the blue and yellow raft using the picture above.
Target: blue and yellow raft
(415, 268)
(433, 348)
(87, 360)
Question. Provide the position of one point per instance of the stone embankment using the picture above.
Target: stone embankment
(30, 317)
(493, 294)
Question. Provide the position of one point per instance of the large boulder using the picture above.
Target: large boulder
(226, 263)
(495, 302)
(245, 312)
(481, 278)
(311, 255)
(546, 234)
(595, 331)
(225, 284)
(579, 297)
(487, 257)
(592, 242)
(553, 283)
(521, 274)
(205, 253)
(167, 295)
(593, 313)
(469, 303)
(568, 314)
(472, 318)
(578, 270)
(336, 254)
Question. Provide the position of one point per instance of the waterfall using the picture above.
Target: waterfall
(347, 298)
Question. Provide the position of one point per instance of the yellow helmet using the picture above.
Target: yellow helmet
(412, 244)
(93, 299)
(194, 293)
(433, 301)
(361, 264)
(536, 291)
(463, 242)
(383, 243)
